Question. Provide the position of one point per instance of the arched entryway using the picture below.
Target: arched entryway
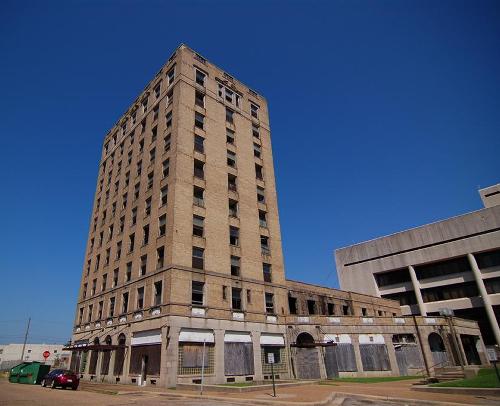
(438, 350)
(307, 358)
(106, 356)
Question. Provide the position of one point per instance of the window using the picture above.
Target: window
(155, 115)
(110, 232)
(80, 317)
(125, 303)
(233, 208)
(254, 110)
(164, 195)
(198, 144)
(266, 272)
(257, 150)
(117, 185)
(134, 216)
(235, 265)
(364, 311)
(269, 303)
(104, 282)
(144, 263)
(99, 310)
(331, 309)
(229, 95)
(229, 115)
(93, 290)
(166, 167)
(198, 196)
(224, 292)
(152, 156)
(154, 134)
(311, 306)
(167, 143)
(115, 278)
(147, 207)
(197, 293)
(236, 299)
(139, 168)
(122, 224)
(150, 180)
(264, 245)
(448, 267)
(134, 117)
(234, 235)
(292, 304)
(229, 136)
(231, 159)
(262, 219)
(346, 310)
(160, 257)
(111, 311)
(231, 182)
(171, 76)
(128, 273)
(129, 158)
(255, 130)
(200, 78)
(131, 240)
(140, 298)
(168, 119)
(198, 226)
(118, 250)
(91, 308)
(144, 105)
(124, 200)
(198, 257)
(249, 296)
(158, 291)
(199, 170)
(113, 209)
(199, 99)
(162, 225)
(258, 172)
(199, 120)
(137, 189)
(170, 97)
(143, 129)
(84, 293)
(145, 234)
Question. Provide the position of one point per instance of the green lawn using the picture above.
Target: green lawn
(375, 379)
(486, 378)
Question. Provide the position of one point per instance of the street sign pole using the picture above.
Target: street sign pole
(270, 360)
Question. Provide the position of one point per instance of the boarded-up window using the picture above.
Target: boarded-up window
(151, 354)
(106, 356)
(343, 355)
(83, 361)
(238, 359)
(374, 357)
(119, 360)
(75, 361)
(193, 356)
(93, 362)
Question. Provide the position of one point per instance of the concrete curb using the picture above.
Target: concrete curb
(241, 389)
(399, 400)
(458, 390)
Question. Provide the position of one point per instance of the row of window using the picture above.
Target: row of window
(198, 298)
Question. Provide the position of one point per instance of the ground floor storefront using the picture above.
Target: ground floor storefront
(169, 350)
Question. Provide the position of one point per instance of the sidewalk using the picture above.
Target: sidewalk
(310, 394)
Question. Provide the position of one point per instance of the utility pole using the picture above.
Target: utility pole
(25, 339)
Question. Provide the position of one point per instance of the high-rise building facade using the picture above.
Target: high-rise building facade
(183, 274)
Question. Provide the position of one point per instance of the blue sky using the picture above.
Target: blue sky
(385, 115)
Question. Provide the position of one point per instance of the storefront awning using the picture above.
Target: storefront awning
(146, 337)
(237, 337)
(272, 339)
(192, 335)
(371, 339)
(337, 338)
(96, 347)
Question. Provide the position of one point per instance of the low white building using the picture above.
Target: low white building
(10, 354)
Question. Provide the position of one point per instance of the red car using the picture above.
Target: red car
(61, 377)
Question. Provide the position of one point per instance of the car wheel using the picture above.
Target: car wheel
(74, 387)
(53, 385)
(43, 383)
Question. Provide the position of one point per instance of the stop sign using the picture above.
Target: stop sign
(46, 354)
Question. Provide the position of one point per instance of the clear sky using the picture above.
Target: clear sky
(385, 115)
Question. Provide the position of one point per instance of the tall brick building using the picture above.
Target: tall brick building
(184, 268)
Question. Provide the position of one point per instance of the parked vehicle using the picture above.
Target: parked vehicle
(63, 378)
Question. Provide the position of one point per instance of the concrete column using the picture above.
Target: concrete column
(486, 299)
(98, 366)
(219, 356)
(164, 370)
(392, 354)
(257, 361)
(357, 353)
(416, 289)
(111, 369)
(169, 357)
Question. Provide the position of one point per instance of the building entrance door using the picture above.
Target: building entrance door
(307, 357)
